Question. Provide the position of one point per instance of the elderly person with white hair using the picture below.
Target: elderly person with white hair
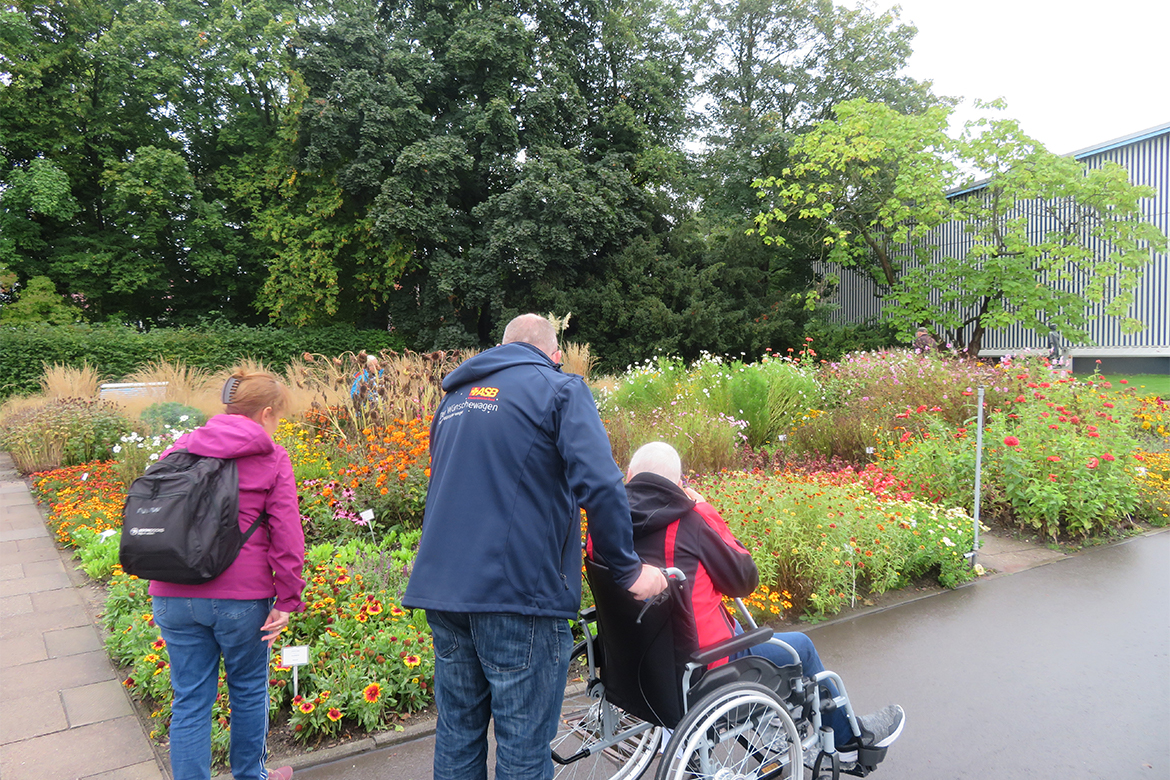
(675, 526)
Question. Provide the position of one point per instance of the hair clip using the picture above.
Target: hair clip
(229, 389)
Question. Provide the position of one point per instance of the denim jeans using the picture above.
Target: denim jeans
(810, 662)
(510, 668)
(197, 633)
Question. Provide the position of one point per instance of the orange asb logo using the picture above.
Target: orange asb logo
(483, 392)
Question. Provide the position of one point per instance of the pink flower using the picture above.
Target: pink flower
(1108, 455)
(1092, 464)
(1051, 477)
(1054, 458)
(905, 437)
(1011, 441)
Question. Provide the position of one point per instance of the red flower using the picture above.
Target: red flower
(1108, 455)
(1054, 458)
(1092, 464)
(905, 436)
(334, 714)
(1020, 399)
(1051, 477)
(1011, 441)
(372, 692)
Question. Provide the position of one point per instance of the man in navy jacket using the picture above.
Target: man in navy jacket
(517, 448)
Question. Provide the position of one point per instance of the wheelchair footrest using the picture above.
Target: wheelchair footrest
(871, 756)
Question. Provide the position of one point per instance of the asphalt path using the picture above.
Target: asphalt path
(1061, 671)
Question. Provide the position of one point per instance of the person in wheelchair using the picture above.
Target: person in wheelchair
(675, 527)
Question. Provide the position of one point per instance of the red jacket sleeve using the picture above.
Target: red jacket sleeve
(728, 563)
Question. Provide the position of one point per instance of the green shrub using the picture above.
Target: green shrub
(171, 414)
(63, 432)
(98, 552)
(1057, 456)
(116, 350)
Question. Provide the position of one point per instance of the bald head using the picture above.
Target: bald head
(532, 329)
(659, 458)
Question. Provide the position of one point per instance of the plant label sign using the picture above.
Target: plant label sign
(294, 656)
(367, 515)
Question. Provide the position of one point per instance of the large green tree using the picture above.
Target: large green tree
(1041, 237)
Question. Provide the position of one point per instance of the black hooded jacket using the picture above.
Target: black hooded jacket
(672, 530)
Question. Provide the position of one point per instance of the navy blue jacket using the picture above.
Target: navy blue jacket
(516, 448)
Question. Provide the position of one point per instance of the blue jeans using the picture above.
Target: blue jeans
(510, 668)
(811, 664)
(197, 633)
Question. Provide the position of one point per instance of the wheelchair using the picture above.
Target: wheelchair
(649, 697)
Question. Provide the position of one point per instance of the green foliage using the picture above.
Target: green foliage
(116, 351)
(171, 414)
(708, 409)
(822, 541)
(1057, 456)
(63, 432)
(98, 552)
(38, 301)
(877, 180)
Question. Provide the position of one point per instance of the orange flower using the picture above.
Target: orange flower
(412, 661)
(307, 707)
(333, 714)
(372, 692)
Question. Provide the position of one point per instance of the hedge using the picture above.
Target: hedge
(117, 350)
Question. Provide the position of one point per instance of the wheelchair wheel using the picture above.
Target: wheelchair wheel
(739, 732)
(588, 723)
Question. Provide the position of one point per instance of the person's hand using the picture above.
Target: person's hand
(694, 495)
(650, 583)
(277, 620)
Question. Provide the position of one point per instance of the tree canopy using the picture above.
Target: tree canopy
(1026, 237)
(432, 166)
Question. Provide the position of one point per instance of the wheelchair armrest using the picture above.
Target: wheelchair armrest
(732, 646)
(589, 614)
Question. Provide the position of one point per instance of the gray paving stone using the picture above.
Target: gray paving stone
(56, 674)
(109, 746)
(43, 582)
(40, 621)
(72, 641)
(60, 598)
(15, 517)
(15, 605)
(44, 567)
(22, 533)
(25, 648)
(6, 549)
(11, 571)
(144, 771)
(44, 542)
(45, 552)
(95, 703)
(32, 716)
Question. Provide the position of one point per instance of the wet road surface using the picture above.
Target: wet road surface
(1061, 671)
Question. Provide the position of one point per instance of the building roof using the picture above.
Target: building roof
(1081, 154)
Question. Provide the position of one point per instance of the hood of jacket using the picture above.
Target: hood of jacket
(229, 436)
(655, 502)
(495, 359)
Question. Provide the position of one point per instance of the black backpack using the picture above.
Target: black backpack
(181, 521)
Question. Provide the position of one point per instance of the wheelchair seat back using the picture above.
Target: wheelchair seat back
(643, 662)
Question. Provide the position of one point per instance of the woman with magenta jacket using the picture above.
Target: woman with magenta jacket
(239, 614)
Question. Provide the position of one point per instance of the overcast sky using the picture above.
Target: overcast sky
(1074, 73)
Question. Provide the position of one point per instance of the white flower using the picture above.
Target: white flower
(184, 418)
(116, 448)
(947, 542)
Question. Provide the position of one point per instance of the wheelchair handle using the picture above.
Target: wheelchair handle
(671, 573)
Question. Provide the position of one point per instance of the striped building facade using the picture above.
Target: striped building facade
(1146, 155)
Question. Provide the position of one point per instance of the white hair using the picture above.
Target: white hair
(532, 329)
(659, 458)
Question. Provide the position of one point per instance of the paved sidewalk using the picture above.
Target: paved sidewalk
(65, 715)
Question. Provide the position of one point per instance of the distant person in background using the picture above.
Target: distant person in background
(1055, 346)
(923, 341)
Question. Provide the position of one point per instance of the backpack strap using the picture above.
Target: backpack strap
(263, 516)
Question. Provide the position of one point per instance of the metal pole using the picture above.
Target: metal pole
(978, 472)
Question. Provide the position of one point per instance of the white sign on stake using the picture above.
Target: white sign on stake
(296, 657)
(367, 515)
